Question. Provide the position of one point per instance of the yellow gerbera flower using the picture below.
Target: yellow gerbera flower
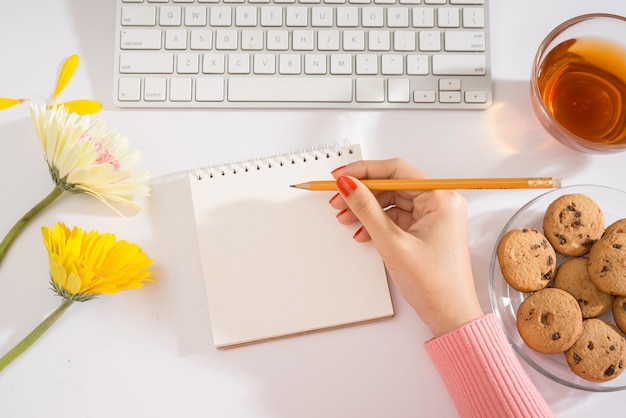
(82, 266)
(86, 264)
(86, 156)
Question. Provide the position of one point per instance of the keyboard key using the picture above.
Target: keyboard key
(195, 16)
(473, 17)
(180, 89)
(448, 17)
(187, 64)
(138, 16)
(315, 64)
(289, 64)
(367, 64)
(176, 39)
(148, 63)
(220, 16)
(398, 17)
(417, 65)
(429, 41)
(201, 39)
(226, 39)
(246, 16)
(424, 96)
(285, 89)
(129, 89)
(392, 64)
(398, 90)
(209, 89)
(457, 64)
(370, 90)
(213, 63)
(450, 96)
(140, 39)
(265, 64)
(322, 17)
(423, 17)
(155, 89)
(169, 16)
(252, 40)
(404, 40)
(476, 96)
(341, 64)
(449, 84)
(464, 41)
(239, 64)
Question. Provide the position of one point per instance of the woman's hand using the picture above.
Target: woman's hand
(421, 236)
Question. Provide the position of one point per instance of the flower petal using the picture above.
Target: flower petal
(82, 107)
(6, 102)
(67, 70)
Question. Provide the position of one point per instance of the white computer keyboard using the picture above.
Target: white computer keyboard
(371, 54)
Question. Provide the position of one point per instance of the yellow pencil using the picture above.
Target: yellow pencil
(440, 184)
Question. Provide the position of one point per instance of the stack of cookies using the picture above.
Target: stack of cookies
(575, 272)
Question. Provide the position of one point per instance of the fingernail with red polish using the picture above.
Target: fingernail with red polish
(345, 185)
(341, 212)
(333, 198)
(358, 231)
(337, 169)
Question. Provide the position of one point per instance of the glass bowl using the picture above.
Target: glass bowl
(505, 300)
(584, 91)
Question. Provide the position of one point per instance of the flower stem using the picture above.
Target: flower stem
(17, 228)
(34, 335)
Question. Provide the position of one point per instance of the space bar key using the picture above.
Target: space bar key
(285, 89)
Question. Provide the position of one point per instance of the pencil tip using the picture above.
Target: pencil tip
(300, 186)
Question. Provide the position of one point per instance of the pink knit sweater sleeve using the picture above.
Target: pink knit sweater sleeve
(483, 374)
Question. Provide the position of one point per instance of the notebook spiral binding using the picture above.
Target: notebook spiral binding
(279, 160)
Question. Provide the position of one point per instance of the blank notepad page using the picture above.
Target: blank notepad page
(276, 262)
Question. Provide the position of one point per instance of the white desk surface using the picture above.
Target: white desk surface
(148, 352)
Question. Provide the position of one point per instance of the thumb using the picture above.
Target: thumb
(366, 208)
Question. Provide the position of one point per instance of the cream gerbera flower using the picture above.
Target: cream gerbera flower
(86, 156)
(82, 266)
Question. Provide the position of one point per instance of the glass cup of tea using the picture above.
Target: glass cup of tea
(578, 83)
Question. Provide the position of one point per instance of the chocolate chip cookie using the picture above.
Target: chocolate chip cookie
(607, 264)
(572, 223)
(619, 312)
(617, 227)
(573, 277)
(526, 258)
(549, 320)
(599, 355)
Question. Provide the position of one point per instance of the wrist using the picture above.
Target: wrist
(448, 323)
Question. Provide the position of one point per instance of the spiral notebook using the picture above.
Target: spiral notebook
(276, 262)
